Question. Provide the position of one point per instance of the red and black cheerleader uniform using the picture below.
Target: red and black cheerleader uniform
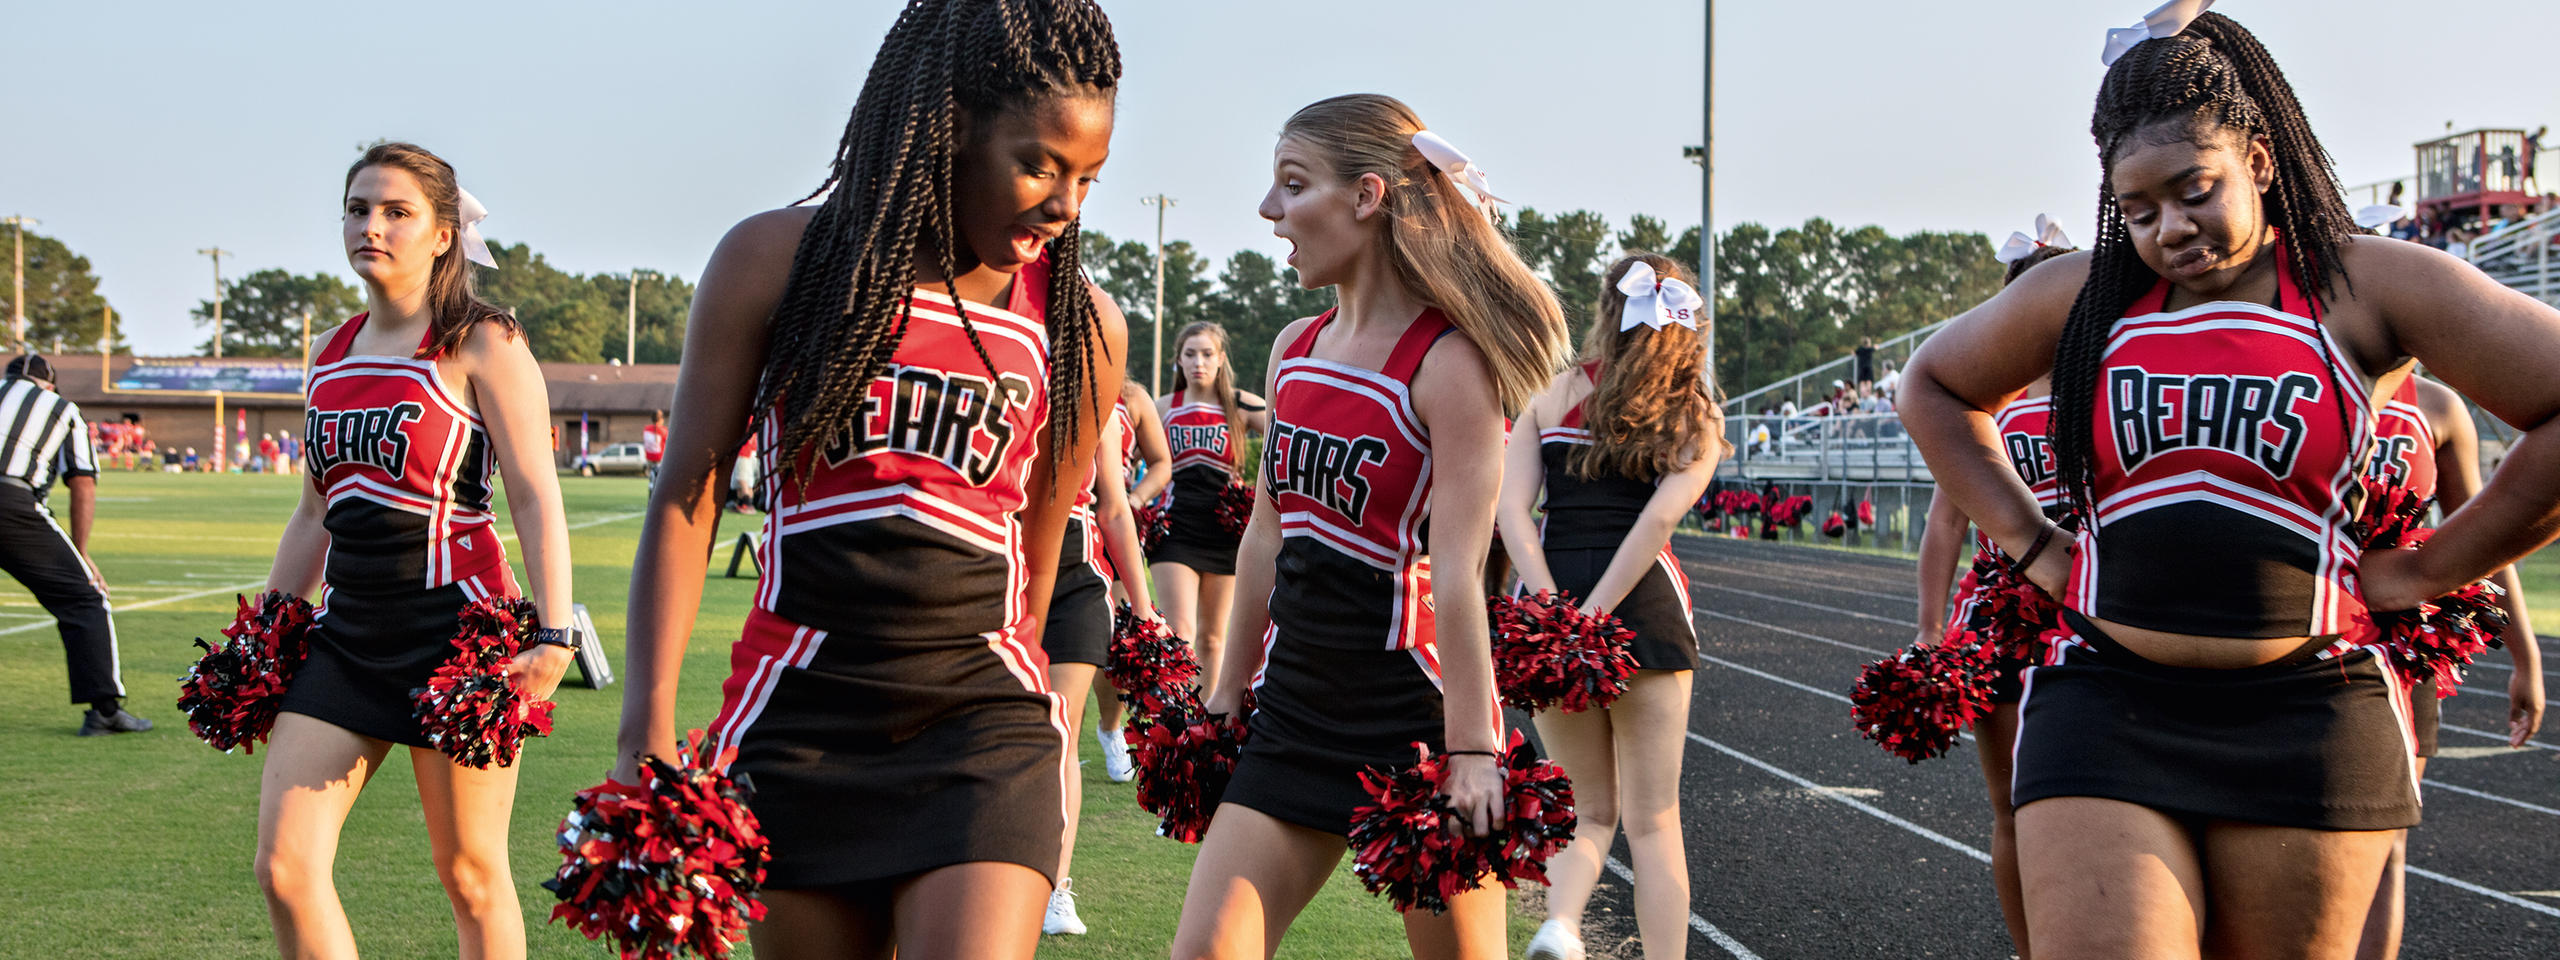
(1204, 449)
(1079, 625)
(405, 466)
(2024, 435)
(1350, 675)
(1587, 519)
(2404, 454)
(882, 697)
(2229, 442)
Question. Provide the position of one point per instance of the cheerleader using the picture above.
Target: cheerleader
(2426, 441)
(1374, 509)
(2022, 426)
(2217, 358)
(1100, 538)
(1622, 445)
(1195, 566)
(1146, 467)
(928, 373)
(412, 404)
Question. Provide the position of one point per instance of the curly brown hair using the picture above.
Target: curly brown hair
(1653, 408)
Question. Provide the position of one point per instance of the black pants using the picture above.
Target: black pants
(34, 550)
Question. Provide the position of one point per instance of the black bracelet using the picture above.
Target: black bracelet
(2028, 559)
(556, 636)
(1471, 753)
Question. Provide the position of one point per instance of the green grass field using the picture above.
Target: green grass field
(140, 845)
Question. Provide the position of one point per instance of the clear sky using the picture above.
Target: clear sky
(615, 135)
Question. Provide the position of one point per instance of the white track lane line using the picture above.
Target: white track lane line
(235, 588)
(2486, 795)
(1910, 597)
(1696, 922)
(1943, 839)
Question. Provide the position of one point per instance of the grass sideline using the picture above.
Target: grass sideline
(140, 845)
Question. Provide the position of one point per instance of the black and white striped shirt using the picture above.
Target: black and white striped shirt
(42, 436)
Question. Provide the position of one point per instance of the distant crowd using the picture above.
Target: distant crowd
(128, 446)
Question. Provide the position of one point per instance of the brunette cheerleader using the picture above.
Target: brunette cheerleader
(1363, 565)
(1146, 467)
(412, 404)
(1195, 566)
(2219, 356)
(929, 373)
(1621, 445)
(2426, 441)
(2022, 426)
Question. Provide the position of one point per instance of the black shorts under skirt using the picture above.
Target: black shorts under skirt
(1657, 609)
(370, 651)
(2315, 742)
(875, 759)
(1079, 626)
(1321, 715)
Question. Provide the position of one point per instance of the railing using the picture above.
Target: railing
(2519, 255)
(1896, 351)
(1860, 447)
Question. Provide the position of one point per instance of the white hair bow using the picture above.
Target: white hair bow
(2021, 246)
(1445, 158)
(474, 248)
(2167, 21)
(2379, 215)
(1656, 302)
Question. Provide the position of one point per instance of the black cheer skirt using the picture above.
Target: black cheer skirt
(1079, 625)
(874, 759)
(2320, 743)
(1321, 715)
(1194, 538)
(369, 652)
(1657, 610)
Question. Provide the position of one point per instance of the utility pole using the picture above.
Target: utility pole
(1704, 156)
(1155, 373)
(18, 296)
(217, 253)
(306, 343)
(631, 318)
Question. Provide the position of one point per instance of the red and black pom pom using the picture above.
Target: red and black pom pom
(1147, 663)
(1548, 653)
(232, 694)
(2443, 635)
(666, 868)
(1835, 526)
(1152, 524)
(1405, 843)
(470, 709)
(1866, 515)
(2007, 615)
(1790, 511)
(1915, 702)
(1183, 756)
(1235, 507)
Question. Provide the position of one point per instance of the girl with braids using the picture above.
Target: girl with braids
(1622, 446)
(2022, 424)
(928, 372)
(1195, 566)
(2425, 440)
(1374, 509)
(2215, 359)
(412, 404)
(1146, 467)
(1101, 536)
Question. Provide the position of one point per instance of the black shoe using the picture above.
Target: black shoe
(95, 724)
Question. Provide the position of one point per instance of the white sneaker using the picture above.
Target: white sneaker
(1115, 756)
(1062, 917)
(1554, 941)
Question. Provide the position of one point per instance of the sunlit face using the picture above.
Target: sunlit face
(390, 228)
(1200, 360)
(1328, 222)
(1022, 178)
(2193, 203)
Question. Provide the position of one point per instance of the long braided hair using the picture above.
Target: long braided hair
(2212, 75)
(846, 306)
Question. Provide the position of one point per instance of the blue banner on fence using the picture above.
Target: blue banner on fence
(232, 375)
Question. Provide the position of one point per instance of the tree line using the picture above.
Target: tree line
(1788, 298)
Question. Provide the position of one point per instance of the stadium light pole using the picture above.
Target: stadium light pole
(631, 318)
(1155, 372)
(217, 253)
(1704, 155)
(18, 294)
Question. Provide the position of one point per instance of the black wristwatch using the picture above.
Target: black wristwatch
(558, 637)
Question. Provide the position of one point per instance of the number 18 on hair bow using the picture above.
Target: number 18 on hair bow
(1657, 302)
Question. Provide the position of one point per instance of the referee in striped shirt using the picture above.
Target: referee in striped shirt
(41, 438)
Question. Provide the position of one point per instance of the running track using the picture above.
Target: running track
(1806, 840)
